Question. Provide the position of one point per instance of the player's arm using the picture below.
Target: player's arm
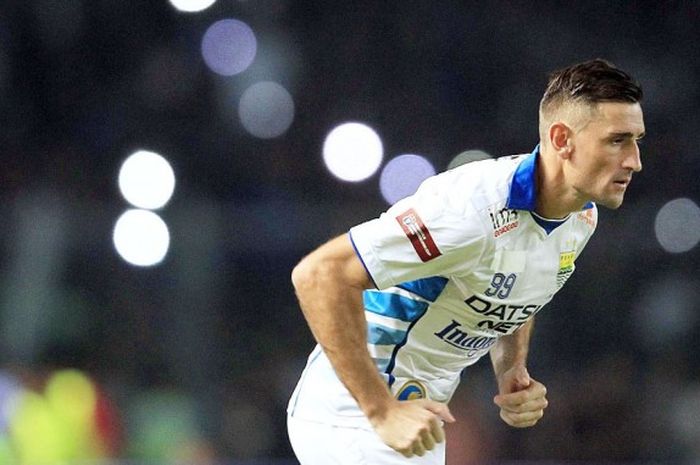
(329, 284)
(522, 400)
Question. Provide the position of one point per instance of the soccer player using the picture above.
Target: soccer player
(403, 303)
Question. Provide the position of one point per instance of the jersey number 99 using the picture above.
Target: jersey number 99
(501, 285)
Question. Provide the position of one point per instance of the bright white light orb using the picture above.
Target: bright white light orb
(146, 180)
(353, 152)
(677, 225)
(229, 47)
(266, 110)
(468, 156)
(192, 6)
(402, 176)
(141, 238)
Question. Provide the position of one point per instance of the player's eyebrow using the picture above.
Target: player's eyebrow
(627, 134)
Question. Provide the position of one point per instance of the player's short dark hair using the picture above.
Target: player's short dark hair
(590, 82)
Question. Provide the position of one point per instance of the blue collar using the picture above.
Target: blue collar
(523, 188)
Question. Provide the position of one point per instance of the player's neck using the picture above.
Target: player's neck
(555, 197)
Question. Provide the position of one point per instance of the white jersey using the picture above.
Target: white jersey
(460, 263)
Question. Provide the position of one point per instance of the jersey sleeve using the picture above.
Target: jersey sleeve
(432, 233)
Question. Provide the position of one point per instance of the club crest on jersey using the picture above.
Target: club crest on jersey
(418, 234)
(566, 267)
(503, 220)
(411, 390)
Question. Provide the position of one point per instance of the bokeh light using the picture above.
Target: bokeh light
(402, 176)
(353, 152)
(146, 180)
(192, 6)
(141, 237)
(266, 110)
(677, 225)
(72, 396)
(10, 390)
(677, 294)
(468, 156)
(229, 47)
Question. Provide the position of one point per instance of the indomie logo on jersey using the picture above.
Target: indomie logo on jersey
(503, 220)
(418, 234)
(412, 390)
(455, 335)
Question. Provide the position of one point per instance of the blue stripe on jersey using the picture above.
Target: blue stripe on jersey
(392, 363)
(427, 288)
(393, 305)
(381, 363)
(383, 336)
(402, 308)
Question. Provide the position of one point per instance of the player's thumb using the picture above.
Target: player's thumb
(521, 380)
(439, 409)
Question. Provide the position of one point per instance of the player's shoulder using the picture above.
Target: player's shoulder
(479, 183)
(504, 164)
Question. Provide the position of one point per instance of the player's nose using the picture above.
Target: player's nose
(633, 159)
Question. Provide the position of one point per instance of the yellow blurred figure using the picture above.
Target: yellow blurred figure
(58, 426)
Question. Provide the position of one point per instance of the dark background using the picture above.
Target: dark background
(210, 342)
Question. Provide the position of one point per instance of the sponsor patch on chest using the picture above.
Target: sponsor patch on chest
(503, 220)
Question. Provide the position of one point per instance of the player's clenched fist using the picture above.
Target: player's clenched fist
(412, 427)
(522, 399)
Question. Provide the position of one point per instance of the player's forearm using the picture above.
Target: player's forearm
(335, 315)
(511, 350)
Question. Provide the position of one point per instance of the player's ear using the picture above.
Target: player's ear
(560, 139)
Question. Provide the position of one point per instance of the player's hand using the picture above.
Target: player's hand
(522, 399)
(413, 427)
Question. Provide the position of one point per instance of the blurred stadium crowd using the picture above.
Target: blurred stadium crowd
(192, 361)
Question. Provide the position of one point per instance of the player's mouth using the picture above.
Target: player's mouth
(622, 183)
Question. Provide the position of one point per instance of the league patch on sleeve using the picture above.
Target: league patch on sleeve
(418, 234)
